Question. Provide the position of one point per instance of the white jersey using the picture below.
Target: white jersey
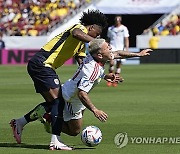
(86, 77)
(116, 36)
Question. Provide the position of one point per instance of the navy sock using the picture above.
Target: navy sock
(57, 115)
(47, 107)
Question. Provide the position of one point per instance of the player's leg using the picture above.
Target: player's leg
(18, 124)
(47, 83)
(72, 127)
(57, 103)
(118, 72)
(119, 69)
(73, 115)
(36, 113)
(111, 70)
(41, 83)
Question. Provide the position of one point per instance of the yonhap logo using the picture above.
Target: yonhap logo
(121, 140)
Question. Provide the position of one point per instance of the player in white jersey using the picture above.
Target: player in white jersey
(118, 36)
(75, 91)
(87, 76)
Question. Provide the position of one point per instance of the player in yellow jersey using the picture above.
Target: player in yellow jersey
(41, 67)
(154, 40)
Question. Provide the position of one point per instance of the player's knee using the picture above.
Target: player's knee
(75, 132)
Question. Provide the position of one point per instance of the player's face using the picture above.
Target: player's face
(118, 20)
(94, 31)
(106, 52)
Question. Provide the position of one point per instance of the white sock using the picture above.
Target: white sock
(111, 69)
(55, 138)
(118, 71)
(22, 121)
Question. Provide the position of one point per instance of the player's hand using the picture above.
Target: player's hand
(101, 115)
(145, 52)
(111, 77)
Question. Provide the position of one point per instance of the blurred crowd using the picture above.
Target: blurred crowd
(171, 27)
(33, 17)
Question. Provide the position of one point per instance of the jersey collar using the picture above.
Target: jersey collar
(101, 64)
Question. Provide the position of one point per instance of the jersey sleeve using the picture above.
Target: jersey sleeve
(81, 27)
(81, 52)
(109, 33)
(126, 32)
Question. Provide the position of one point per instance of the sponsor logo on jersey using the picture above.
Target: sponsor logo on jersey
(56, 81)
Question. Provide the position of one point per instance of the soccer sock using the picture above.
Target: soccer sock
(22, 121)
(111, 69)
(32, 115)
(118, 70)
(55, 138)
(57, 115)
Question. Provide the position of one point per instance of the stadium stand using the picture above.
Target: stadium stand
(34, 18)
(168, 24)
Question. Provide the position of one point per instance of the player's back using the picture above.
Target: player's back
(64, 46)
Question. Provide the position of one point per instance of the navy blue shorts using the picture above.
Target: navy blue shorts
(43, 77)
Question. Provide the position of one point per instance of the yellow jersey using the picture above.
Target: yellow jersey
(63, 47)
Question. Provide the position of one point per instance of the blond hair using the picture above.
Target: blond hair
(95, 45)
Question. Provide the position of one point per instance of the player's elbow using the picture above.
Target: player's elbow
(76, 33)
(80, 94)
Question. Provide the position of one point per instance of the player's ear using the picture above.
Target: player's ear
(91, 27)
(100, 55)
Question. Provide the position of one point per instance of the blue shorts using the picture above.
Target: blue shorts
(43, 77)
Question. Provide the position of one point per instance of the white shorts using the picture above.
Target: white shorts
(117, 60)
(73, 110)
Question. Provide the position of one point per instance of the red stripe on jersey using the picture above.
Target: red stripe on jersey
(95, 72)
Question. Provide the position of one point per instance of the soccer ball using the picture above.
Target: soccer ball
(91, 136)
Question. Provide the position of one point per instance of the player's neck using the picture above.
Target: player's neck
(118, 25)
(101, 63)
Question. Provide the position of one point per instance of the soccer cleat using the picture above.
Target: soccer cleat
(114, 84)
(109, 84)
(59, 146)
(17, 130)
(121, 79)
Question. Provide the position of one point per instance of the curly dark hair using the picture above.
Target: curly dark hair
(93, 17)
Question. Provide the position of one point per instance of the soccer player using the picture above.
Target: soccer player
(41, 68)
(75, 91)
(118, 36)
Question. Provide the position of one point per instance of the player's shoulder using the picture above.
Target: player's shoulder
(89, 62)
(111, 27)
(80, 26)
(123, 27)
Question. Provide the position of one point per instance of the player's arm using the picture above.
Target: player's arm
(83, 96)
(126, 43)
(80, 35)
(126, 54)
(79, 59)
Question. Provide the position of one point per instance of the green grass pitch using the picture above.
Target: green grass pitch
(147, 104)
